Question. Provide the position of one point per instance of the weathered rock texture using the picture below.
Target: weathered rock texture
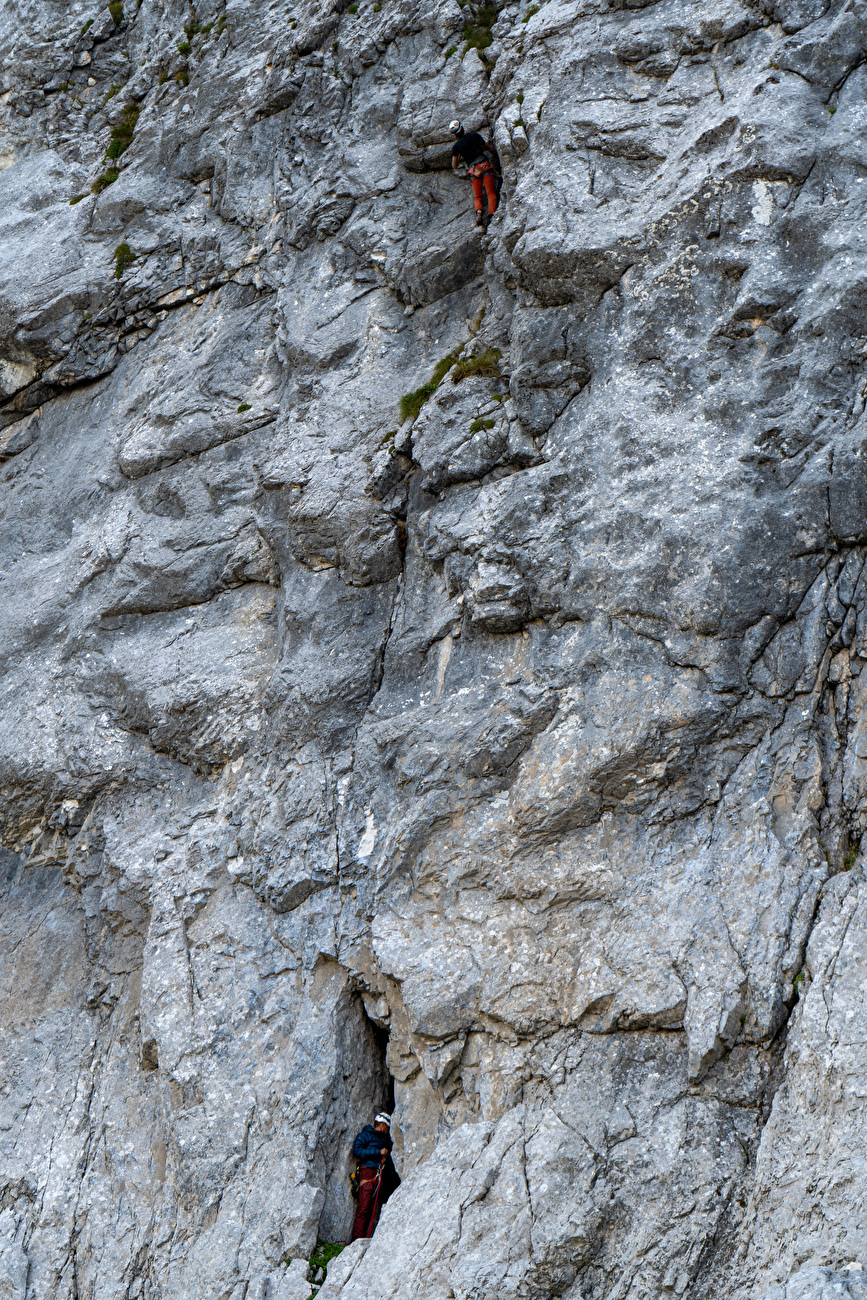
(507, 765)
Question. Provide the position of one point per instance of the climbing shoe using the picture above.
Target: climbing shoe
(480, 219)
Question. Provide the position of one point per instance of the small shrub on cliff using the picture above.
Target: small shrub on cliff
(478, 34)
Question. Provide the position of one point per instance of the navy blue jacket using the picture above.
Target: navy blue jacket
(367, 1146)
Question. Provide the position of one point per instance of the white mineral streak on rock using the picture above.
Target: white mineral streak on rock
(368, 839)
(763, 208)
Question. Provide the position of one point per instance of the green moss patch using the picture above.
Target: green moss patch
(322, 1256)
(411, 403)
(116, 11)
(123, 259)
(478, 425)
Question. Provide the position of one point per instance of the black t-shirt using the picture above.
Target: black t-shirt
(469, 148)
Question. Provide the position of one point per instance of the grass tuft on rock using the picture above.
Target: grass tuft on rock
(485, 366)
(116, 11)
(411, 403)
(122, 134)
(123, 259)
(478, 424)
(245, 406)
(108, 177)
(76, 198)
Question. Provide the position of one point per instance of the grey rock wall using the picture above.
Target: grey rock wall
(505, 764)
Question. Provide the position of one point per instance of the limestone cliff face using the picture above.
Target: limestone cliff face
(505, 764)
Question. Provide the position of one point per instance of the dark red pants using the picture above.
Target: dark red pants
(365, 1214)
(489, 181)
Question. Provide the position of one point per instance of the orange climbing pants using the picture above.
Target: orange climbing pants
(483, 175)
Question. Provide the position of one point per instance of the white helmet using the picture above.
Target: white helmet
(455, 127)
(383, 1119)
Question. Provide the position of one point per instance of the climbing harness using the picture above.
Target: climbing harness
(373, 1212)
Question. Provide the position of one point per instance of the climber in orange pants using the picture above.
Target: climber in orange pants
(472, 150)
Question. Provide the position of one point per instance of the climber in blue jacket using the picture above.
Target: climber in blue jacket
(378, 1177)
